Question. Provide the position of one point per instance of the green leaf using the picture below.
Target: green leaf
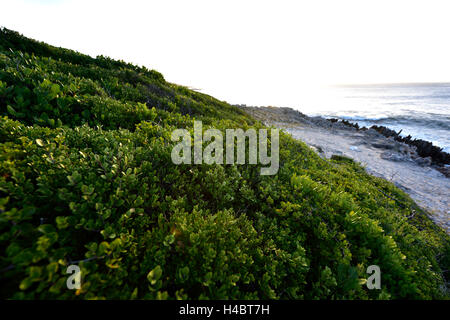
(25, 284)
(103, 248)
(134, 294)
(154, 275)
(183, 274)
(46, 228)
(54, 90)
(169, 240)
(62, 222)
(39, 142)
(11, 110)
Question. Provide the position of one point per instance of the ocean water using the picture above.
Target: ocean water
(419, 110)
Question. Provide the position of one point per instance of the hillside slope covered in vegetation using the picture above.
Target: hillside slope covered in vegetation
(86, 178)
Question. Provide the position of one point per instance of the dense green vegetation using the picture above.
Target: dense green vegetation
(86, 178)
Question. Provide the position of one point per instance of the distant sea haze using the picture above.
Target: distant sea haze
(421, 110)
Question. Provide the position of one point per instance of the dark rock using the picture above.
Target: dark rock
(444, 170)
(382, 146)
(424, 148)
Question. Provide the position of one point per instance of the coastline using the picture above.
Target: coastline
(381, 151)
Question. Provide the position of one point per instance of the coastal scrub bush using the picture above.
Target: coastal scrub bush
(86, 178)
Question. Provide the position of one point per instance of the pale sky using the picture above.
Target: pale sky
(253, 52)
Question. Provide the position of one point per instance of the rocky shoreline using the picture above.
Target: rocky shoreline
(430, 154)
(415, 166)
(421, 151)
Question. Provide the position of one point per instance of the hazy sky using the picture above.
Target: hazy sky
(253, 52)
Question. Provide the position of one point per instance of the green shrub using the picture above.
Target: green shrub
(86, 178)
